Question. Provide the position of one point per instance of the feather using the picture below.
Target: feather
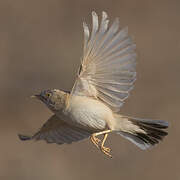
(57, 131)
(108, 68)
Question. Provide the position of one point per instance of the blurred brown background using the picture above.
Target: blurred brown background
(40, 47)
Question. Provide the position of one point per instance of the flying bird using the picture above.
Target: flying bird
(92, 108)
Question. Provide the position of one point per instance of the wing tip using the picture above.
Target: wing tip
(24, 137)
(94, 13)
(85, 27)
(104, 13)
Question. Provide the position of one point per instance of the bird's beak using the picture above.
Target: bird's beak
(35, 96)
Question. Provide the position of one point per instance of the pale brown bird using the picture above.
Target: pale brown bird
(105, 78)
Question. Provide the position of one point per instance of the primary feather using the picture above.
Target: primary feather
(108, 65)
(57, 131)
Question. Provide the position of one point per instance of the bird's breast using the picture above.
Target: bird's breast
(88, 112)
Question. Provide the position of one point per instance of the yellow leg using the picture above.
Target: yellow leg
(102, 132)
(105, 150)
(96, 141)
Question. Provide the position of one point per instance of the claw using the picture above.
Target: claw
(106, 151)
(95, 141)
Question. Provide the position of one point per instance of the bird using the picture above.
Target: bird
(103, 82)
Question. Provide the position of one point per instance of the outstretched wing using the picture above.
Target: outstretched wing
(57, 131)
(108, 65)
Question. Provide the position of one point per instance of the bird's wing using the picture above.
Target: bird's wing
(57, 131)
(108, 65)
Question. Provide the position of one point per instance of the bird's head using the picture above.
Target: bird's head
(55, 99)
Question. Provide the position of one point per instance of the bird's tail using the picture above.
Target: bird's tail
(141, 132)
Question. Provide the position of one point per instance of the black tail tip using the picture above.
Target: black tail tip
(24, 137)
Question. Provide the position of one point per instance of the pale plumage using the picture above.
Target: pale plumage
(105, 78)
(108, 63)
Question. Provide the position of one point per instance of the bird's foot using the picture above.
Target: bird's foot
(106, 151)
(95, 141)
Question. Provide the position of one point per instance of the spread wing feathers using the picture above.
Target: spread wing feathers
(57, 131)
(108, 65)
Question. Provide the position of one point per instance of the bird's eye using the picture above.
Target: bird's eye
(48, 94)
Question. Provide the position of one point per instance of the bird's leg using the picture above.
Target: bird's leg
(105, 150)
(96, 141)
